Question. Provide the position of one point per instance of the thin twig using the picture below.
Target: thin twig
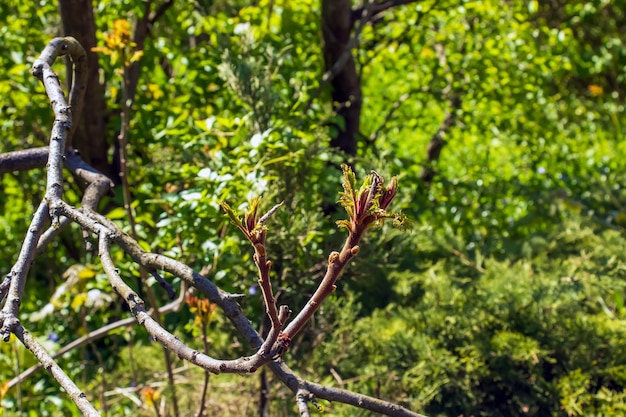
(302, 401)
(380, 7)
(94, 335)
(207, 375)
(55, 370)
(108, 233)
(389, 116)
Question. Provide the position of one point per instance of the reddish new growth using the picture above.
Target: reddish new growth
(252, 226)
(366, 206)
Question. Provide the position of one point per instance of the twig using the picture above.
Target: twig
(94, 335)
(160, 11)
(253, 227)
(51, 366)
(376, 405)
(164, 284)
(207, 375)
(8, 315)
(23, 160)
(130, 78)
(302, 401)
(389, 116)
(380, 7)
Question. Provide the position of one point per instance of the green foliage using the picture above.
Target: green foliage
(526, 336)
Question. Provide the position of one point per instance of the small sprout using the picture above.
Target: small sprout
(333, 257)
(367, 205)
(252, 226)
(250, 217)
(355, 250)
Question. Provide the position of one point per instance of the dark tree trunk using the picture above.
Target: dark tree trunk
(90, 137)
(346, 85)
(437, 142)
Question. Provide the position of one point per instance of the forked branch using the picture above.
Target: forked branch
(366, 206)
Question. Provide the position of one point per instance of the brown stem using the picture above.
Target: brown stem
(336, 263)
(207, 374)
(53, 368)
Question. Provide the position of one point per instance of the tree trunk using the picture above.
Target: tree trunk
(90, 137)
(346, 85)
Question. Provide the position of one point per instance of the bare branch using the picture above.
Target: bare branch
(23, 160)
(51, 366)
(8, 315)
(369, 205)
(380, 7)
(95, 335)
(389, 116)
(297, 384)
(160, 11)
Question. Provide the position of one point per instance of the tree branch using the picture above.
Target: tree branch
(365, 207)
(23, 160)
(55, 370)
(380, 7)
(95, 335)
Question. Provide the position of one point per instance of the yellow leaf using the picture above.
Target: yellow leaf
(4, 388)
(136, 56)
(150, 396)
(86, 273)
(79, 301)
(427, 53)
(595, 90)
(102, 49)
(155, 90)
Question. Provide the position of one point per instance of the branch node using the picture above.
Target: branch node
(333, 257)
